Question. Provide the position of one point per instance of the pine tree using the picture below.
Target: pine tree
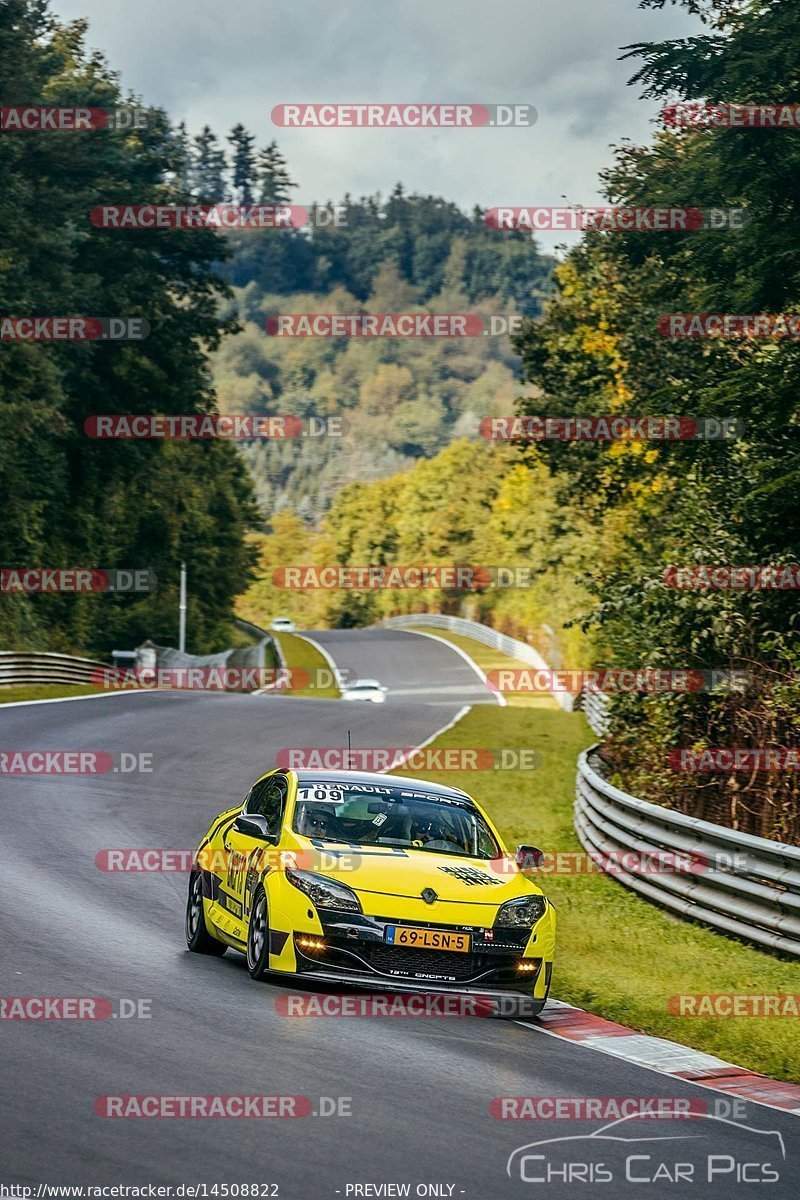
(274, 182)
(182, 155)
(244, 163)
(208, 168)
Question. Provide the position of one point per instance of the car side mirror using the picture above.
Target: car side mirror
(253, 825)
(528, 857)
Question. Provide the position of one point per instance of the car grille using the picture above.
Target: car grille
(393, 960)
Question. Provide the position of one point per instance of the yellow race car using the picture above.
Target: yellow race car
(376, 881)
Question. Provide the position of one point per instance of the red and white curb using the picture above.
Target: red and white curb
(670, 1058)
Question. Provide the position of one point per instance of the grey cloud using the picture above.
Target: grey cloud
(208, 62)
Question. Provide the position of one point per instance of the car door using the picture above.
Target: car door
(249, 856)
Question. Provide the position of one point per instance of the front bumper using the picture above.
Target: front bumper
(355, 951)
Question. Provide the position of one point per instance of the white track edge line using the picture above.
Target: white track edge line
(72, 699)
(462, 712)
(325, 654)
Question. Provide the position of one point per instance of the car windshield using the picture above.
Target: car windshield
(387, 815)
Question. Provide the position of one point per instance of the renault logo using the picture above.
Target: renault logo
(429, 895)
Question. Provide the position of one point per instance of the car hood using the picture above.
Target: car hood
(385, 870)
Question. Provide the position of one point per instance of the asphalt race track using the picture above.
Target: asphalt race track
(413, 667)
(419, 1089)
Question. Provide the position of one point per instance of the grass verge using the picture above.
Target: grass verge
(48, 691)
(300, 655)
(618, 955)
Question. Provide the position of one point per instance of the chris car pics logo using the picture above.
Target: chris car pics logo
(706, 1150)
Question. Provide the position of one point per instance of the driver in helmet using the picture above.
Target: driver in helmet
(320, 821)
(429, 829)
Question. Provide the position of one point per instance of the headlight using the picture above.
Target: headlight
(525, 911)
(324, 892)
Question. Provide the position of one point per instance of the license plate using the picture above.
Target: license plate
(427, 939)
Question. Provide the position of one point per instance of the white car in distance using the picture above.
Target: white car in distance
(365, 689)
(282, 625)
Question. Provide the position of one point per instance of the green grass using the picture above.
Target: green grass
(618, 955)
(300, 655)
(48, 691)
(492, 660)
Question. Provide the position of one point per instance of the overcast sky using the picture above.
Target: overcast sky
(207, 61)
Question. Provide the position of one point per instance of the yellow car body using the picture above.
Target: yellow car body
(377, 881)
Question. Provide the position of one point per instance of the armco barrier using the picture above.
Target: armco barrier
(271, 645)
(521, 651)
(739, 884)
(594, 706)
(22, 667)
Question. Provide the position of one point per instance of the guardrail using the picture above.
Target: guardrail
(740, 884)
(275, 646)
(594, 706)
(514, 648)
(21, 667)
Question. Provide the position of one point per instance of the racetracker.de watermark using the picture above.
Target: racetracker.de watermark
(212, 1106)
(610, 429)
(412, 577)
(614, 220)
(233, 679)
(730, 325)
(73, 1008)
(735, 758)
(619, 679)
(75, 580)
(369, 1006)
(185, 426)
(391, 325)
(207, 216)
(425, 758)
(75, 762)
(621, 862)
(161, 860)
(48, 118)
(724, 577)
(414, 115)
(729, 116)
(735, 1004)
(428, 1005)
(612, 1108)
(73, 329)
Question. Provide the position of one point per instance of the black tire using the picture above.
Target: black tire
(198, 939)
(258, 936)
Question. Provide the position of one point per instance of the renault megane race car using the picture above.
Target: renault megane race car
(376, 881)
